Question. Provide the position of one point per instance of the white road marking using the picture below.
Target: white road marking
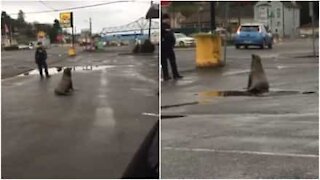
(143, 78)
(104, 115)
(235, 72)
(150, 114)
(241, 152)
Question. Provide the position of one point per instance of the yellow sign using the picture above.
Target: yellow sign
(66, 19)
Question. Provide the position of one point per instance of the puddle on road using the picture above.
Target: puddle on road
(206, 95)
(307, 56)
(58, 69)
(216, 93)
(178, 105)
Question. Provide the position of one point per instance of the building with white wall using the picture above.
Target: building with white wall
(281, 17)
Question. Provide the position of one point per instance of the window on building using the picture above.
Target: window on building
(278, 12)
(278, 23)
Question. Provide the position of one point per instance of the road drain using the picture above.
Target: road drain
(171, 116)
(308, 92)
(178, 105)
(307, 56)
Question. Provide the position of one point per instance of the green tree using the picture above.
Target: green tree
(21, 21)
(55, 31)
(185, 8)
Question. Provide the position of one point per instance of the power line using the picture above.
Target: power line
(47, 5)
(74, 8)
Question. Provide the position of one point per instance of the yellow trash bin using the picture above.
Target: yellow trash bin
(71, 51)
(208, 50)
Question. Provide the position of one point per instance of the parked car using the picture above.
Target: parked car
(183, 40)
(25, 46)
(222, 32)
(253, 35)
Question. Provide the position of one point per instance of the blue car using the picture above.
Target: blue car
(253, 35)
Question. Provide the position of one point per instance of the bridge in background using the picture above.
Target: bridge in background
(140, 26)
(137, 29)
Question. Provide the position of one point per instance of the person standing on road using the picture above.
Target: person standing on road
(167, 44)
(41, 57)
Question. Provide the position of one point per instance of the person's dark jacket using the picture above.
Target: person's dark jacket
(167, 36)
(41, 55)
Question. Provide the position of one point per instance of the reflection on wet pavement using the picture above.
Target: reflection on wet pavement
(206, 97)
(215, 93)
(56, 70)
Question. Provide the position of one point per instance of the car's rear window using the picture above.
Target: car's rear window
(249, 28)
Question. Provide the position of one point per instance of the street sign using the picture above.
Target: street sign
(66, 19)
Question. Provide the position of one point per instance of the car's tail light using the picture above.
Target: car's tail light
(238, 31)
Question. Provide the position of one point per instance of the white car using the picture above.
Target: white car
(25, 46)
(183, 40)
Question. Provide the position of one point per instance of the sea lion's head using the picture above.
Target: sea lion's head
(67, 71)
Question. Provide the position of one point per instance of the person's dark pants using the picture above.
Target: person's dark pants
(168, 53)
(164, 65)
(43, 65)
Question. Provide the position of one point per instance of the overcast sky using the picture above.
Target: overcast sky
(109, 15)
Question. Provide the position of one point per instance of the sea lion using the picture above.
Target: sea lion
(65, 86)
(258, 82)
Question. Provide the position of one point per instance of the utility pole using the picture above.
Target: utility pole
(90, 27)
(213, 16)
(72, 26)
(293, 24)
(150, 24)
(10, 33)
(72, 37)
(311, 13)
(226, 17)
(283, 32)
(199, 16)
(199, 20)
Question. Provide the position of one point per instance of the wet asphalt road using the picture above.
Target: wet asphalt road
(20, 61)
(16, 62)
(272, 136)
(91, 134)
